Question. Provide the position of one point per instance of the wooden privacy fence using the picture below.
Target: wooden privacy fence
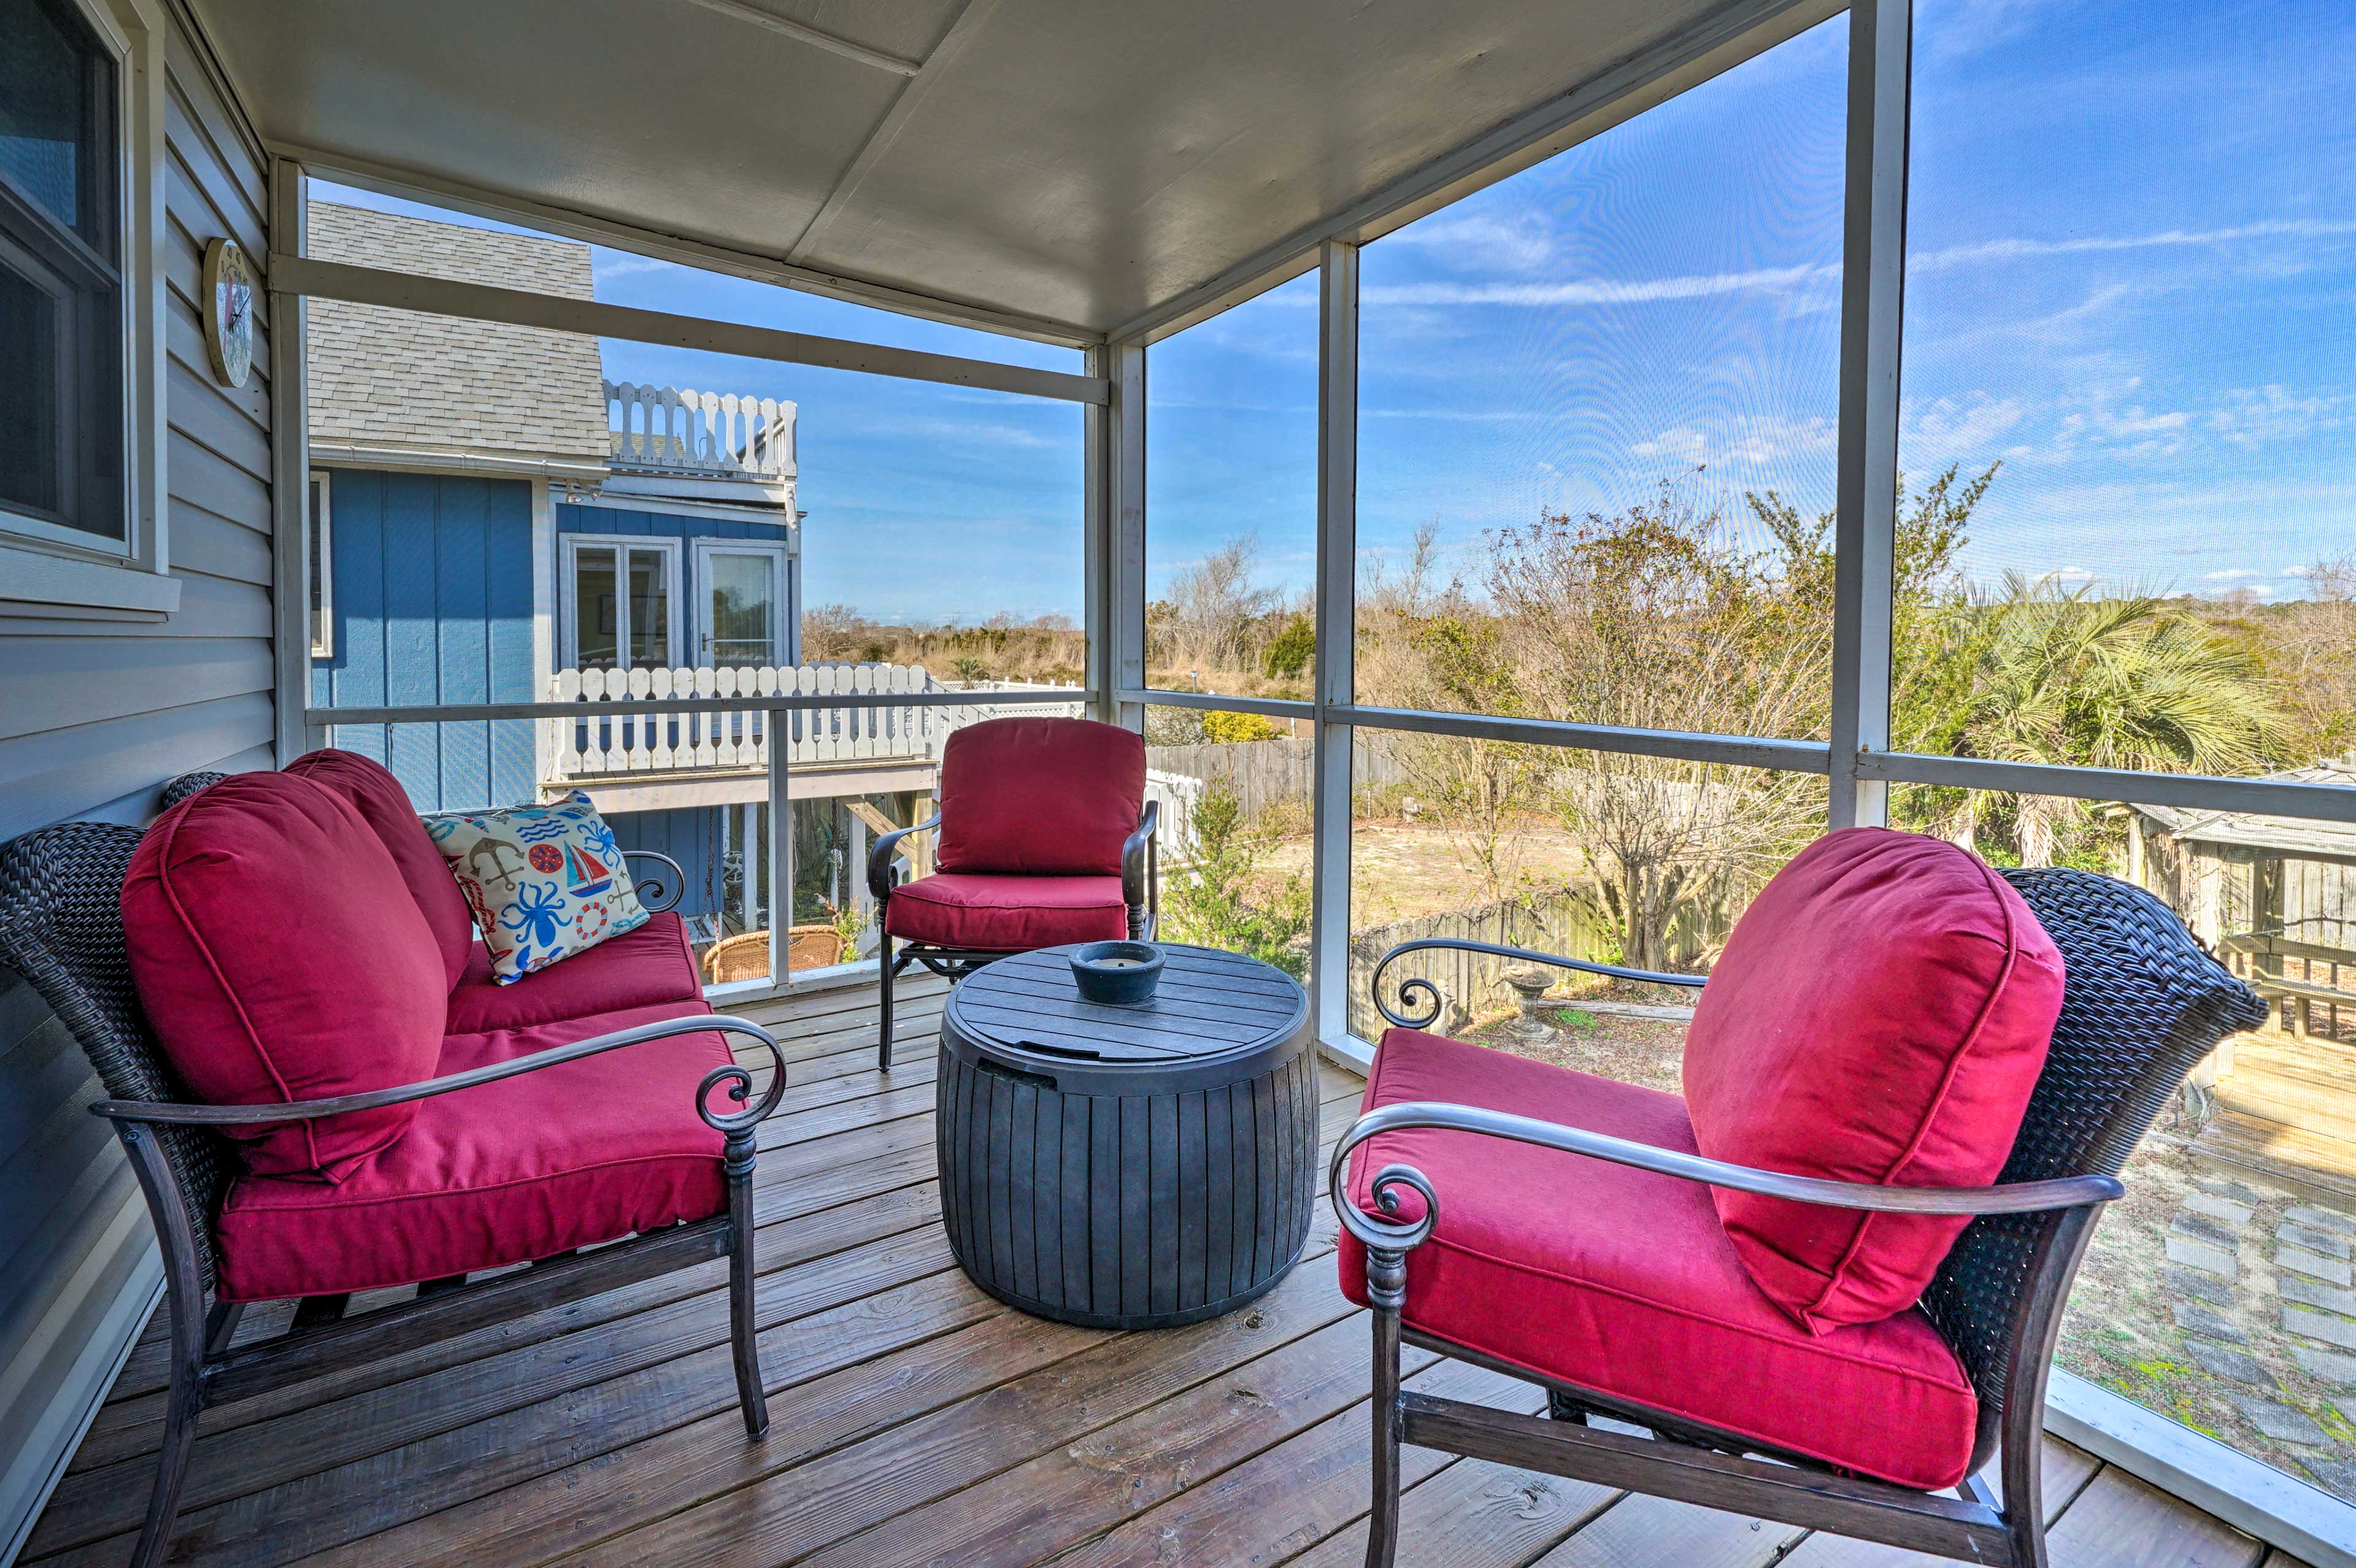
(1568, 923)
(1263, 774)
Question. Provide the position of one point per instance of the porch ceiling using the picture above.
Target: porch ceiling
(1074, 165)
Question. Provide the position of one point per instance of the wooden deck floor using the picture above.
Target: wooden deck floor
(915, 1419)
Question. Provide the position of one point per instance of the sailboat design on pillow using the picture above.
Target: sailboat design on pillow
(584, 877)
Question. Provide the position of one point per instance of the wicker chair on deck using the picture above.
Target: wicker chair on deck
(2140, 1003)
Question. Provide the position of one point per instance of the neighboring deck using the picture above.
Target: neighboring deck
(2286, 1111)
(914, 1419)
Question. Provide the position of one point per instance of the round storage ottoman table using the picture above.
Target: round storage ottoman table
(1127, 1167)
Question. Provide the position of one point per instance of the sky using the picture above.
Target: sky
(2131, 279)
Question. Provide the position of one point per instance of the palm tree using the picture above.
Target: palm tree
(2059, 675)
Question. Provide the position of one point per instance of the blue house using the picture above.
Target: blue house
(496, 520)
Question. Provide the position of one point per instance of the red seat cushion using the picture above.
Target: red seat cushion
(385, 805)
(1009, 914)
(1040, 796)
(501, 1173)
(280, 957)
(1881, 1014)
(642, 967)
(1622, 1282)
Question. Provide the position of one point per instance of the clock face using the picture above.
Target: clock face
(229, 311)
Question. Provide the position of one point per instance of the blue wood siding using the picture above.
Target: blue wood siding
(692, 838)
(432, 605)
(573, 518)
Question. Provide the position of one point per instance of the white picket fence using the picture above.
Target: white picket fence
(605, 746)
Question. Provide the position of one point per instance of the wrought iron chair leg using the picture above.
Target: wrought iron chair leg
(1385, 1290)
(883, 1045)
(220, 1327)
(742, 1328)
(191, 1327)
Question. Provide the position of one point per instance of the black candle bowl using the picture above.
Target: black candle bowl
(1119, 974)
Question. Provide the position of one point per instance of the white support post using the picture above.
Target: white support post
(1337, 591)
(1116, 534)
(781, 847)
(1873, 277)
(290, 480)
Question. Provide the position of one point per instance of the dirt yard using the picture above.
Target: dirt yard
(1401, 870)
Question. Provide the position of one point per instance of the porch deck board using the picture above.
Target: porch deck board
(913, 1418)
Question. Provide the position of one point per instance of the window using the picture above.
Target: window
(323, 576)
(617, 603)
(61, 286)
(1596, 419)
(2130, 305)
(743, 594)
(1231, 503)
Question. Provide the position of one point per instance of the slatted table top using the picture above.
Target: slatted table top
(1209, 1005)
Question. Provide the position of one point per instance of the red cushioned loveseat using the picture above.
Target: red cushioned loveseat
(323, 1092)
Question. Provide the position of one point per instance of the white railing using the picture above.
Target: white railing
(607, 744)
(674, 430)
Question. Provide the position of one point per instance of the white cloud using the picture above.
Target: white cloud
(2231, 575)
(1520, 242)
(2253, 416)
(1609, 292)
(1753, 443)
(2018, 249)
(1957, 429)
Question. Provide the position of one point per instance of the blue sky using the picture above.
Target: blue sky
(2132, 277)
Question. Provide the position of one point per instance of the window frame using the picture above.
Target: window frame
(569, 547)
(70, 570)
(320, 555)
(780, 556)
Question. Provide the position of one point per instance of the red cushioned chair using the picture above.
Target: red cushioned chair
(1795, 1279)
(321, 1093)
(1045, 838)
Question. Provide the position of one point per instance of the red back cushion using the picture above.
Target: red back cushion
(385, 806)
(1057, 797)
(280, 957)
(1881, 1014)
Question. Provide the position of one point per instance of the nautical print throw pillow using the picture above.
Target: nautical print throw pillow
(544, 881)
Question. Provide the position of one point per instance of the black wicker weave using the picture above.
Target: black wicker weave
(2142, 1003)
(61, 929)
(186, 785)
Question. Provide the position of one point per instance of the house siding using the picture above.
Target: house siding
(94, 716)
(432, 605)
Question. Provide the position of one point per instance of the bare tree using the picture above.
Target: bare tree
(1212, 613)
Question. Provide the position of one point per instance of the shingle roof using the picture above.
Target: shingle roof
(2292, 836)
(396, 378)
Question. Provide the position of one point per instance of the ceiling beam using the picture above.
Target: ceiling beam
(436, 190)
(802, 32)
(887, 130)
(315, 278)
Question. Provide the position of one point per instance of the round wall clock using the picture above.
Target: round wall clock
(229, 311)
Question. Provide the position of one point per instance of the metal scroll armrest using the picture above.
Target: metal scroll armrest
(879, 857)
(735, 1077)
(1399, 1236)
(664, 895)
(1141, 867)
(1410, 987)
